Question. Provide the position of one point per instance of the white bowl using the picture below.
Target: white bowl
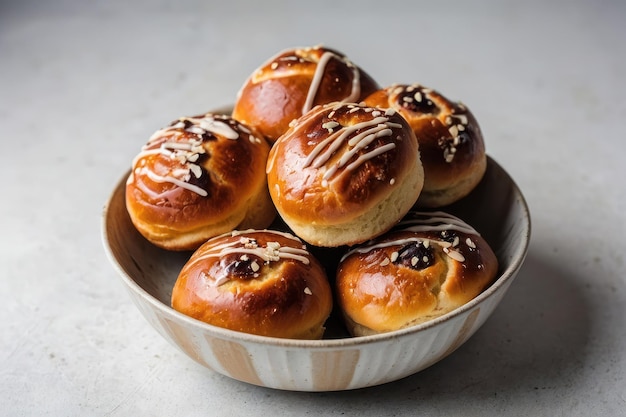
(496, 208)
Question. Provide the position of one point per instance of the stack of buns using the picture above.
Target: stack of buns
(315, 157)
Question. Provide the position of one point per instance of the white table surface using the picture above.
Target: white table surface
(83, 84)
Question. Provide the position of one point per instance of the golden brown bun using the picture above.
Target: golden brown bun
(293, 82)
(344, 173)
(257, 281)
(451, 143)
(197, 178)
(429, 265)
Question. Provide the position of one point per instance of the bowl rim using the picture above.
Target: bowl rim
(327, 344)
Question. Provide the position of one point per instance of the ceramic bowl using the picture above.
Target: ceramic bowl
(496, 208)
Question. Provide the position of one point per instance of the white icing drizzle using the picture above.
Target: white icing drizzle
(181, 183)
(436, 221)
(416, 221)
(355, 91)
(288, 55)
(370, 155)
(396, 242)
(371, 130)
(286, 235)
(166, 142)
(219, 128)
(272, 251)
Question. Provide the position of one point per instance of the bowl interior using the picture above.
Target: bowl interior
(496, 208)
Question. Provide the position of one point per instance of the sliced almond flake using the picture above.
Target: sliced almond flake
(457, 256)
(196, 170)
(273, 245)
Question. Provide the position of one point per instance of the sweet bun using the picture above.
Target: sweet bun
(451, 143)
(256, 281)
(429, 265)
(344, 173)
(197, 178)
(293, 82)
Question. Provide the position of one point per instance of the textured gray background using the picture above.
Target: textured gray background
(83, 84)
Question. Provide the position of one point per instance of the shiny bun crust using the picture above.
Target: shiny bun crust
(257, 281)
(451, 143)
(431, 264)
(344, 173)
(293, 82)
(197, 178)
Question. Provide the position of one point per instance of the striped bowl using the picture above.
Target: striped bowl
(496, 208)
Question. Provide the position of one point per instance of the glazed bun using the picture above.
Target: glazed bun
(344, 173)
(429, 265)
(451, 143)
(197, 178)
(293, 82)
(257, 281)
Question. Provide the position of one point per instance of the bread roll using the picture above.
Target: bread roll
(344, 173)
(197, 178)
(451, 143)
(257, 281)
(429, 265)
(293, 82)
